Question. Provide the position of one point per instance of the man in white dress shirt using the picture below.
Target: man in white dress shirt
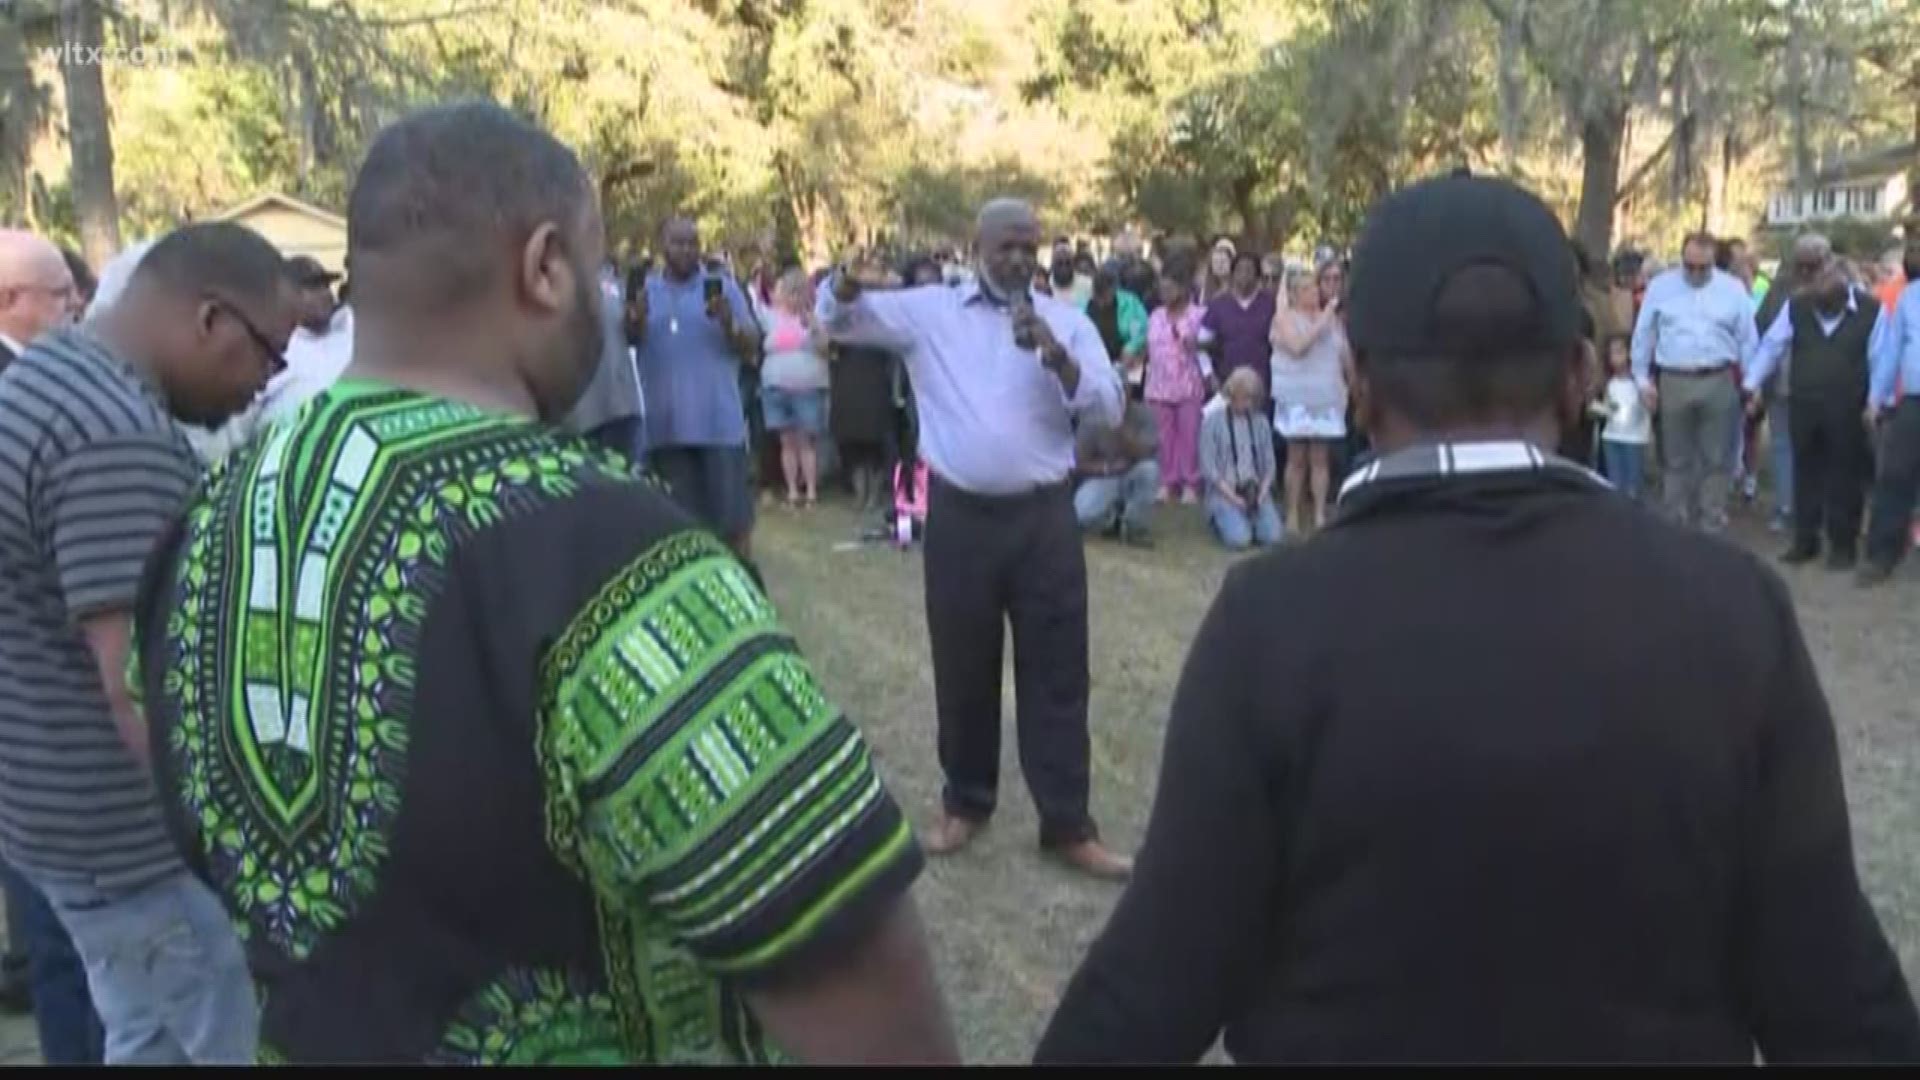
(999, 377)
(321, 345)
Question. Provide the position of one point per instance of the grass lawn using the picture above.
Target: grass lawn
(1010, 927)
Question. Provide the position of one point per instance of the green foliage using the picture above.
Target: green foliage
(809, 125)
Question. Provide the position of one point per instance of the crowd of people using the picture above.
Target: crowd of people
(384, 676)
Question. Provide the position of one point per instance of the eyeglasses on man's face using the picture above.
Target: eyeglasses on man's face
(270, 353)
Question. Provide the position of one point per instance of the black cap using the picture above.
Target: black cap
(1415, 244)
(306, 272)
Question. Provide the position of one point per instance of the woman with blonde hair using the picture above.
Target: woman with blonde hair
(793, 385)
(1310, 360)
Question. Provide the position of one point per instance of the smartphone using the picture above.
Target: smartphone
(713, 289)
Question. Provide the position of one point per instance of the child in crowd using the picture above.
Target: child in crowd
(1629, 427)
(1178, 384)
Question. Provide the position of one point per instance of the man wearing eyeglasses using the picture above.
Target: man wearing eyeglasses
(94, 468)
(41, 970)
(36, 291)
(1694, 333)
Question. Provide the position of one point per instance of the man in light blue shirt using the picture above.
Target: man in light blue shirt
(999, 377)
(1896, 386)
(693, 330)
(1694, 332)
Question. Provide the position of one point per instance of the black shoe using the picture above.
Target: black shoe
(1872, 573)
(1800, 554)
(1841, 559)
(16, 992)
(1136, 536)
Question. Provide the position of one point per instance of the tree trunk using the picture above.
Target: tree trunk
(1719, 176)
(88, 132)
(1601, 138)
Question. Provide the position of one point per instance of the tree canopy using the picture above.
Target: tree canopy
(815, 125)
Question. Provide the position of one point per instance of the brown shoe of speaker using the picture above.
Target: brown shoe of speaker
(949, 835)
(1092, 858)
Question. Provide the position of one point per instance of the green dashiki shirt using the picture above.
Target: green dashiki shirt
(491, 755)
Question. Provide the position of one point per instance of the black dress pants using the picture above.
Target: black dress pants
(1832, 466)
(992, 561)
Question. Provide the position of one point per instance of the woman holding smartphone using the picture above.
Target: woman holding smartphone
(1309, 397)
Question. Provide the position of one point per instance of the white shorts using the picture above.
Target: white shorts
(1309, 422)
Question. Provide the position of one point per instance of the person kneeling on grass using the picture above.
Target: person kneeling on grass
(1236, 457)
(1119, 472)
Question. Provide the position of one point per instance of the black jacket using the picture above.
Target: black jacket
(1499, 768)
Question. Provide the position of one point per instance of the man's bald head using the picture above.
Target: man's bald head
(1002, 214)
(1007, 238)
(1812, 253)
(36, 289)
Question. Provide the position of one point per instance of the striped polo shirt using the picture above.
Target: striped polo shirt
(92, 472)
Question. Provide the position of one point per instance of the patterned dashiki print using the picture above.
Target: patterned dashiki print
(491, 755)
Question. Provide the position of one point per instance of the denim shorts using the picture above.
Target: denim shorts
(787, 409)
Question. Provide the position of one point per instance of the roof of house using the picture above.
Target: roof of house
(1872, 165)
(274, 198)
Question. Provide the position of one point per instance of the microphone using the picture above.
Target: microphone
(1021, 306)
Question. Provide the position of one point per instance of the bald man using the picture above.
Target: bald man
(36, 290)
(37, 294)
(999, 377)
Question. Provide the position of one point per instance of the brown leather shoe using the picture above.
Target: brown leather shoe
(949, 835)
(1092, 858)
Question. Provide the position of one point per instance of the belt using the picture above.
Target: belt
(1011, 501)
(1696, 373)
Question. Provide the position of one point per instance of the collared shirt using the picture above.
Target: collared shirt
(1446, 459)
(993, 419)
(1896, 367)
(1688, 329)
(93, 472)
(13, 347)
(688, 370)
(314, 361)
(1778, 342)
(1362, 843)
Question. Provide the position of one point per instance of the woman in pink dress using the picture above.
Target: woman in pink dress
(1178, 382)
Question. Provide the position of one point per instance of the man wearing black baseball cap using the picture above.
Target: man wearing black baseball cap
(1498, 767)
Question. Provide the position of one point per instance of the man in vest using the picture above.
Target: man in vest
(1833, 329)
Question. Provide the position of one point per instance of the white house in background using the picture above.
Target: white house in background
(1872, 187)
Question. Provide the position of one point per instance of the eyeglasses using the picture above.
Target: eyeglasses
(276, 360)
(58, 292)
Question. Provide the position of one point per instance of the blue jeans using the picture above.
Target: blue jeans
(70, 1033)
(1237, 528)
(1626, 466)
(167, 973)
(1780, 442)
(1131, 493)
